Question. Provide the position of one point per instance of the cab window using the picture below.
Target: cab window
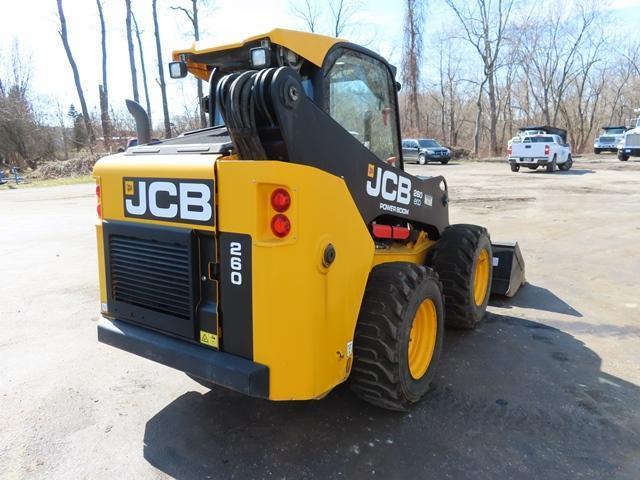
(361, 99)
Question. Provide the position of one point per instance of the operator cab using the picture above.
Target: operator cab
(354, 86)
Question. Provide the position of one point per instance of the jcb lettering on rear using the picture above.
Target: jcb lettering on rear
(183, 201)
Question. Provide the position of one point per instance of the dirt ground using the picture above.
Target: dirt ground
(547, 387)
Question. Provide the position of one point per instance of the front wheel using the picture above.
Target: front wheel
(622, 157)
(463, 259)
(597, 151)
(566, 165)
(515, 167)
(422, 159)
(398, 335)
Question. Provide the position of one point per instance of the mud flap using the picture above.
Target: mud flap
(508, 269)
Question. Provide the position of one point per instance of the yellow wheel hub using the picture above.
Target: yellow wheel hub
(481, 277)
(422, 339)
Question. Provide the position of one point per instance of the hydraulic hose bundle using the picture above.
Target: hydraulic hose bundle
(245, 105)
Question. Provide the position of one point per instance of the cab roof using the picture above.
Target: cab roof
(310, 46)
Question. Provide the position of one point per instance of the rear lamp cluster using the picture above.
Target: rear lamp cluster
(546, 149)
(280, 202)
(99, 198)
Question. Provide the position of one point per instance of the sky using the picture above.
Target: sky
(34, 23)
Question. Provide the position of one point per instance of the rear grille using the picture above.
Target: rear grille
(151, 274)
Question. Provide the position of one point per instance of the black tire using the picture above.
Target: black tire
(566, 165)
(515, 167)
(551, 167)
(444, 162)
(455, 258)
(422, 159)
(381, 374)
(597, 151)
(622, 157)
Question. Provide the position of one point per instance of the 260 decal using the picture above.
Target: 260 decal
(184, 201)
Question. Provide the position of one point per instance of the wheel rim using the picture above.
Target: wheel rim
(481, 277)
(422, 339)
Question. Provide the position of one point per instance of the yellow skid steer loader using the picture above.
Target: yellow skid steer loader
(284, 250)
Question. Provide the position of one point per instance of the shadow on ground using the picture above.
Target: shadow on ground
(536, 298)
(514, 399)
(573, 171)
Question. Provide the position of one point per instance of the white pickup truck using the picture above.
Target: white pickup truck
(540, 150)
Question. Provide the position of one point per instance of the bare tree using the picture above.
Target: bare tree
(143, 67)
(161, 82)
(103, 90)
(484, 28)
(132, 58)
(76, 76)
(309, 13)
(342, 12)
(192, 15)
(411, 62)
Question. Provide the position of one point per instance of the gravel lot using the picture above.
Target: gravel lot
(547, 387)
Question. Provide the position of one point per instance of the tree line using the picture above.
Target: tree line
(497, 66)
(507, 64)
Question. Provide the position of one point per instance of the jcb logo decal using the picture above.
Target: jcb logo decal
(185, 201)
(389, 185)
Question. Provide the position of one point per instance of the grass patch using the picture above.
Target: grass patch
(49, 182)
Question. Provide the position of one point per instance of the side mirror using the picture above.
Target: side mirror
(178, 69)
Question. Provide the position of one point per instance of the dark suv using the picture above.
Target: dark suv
(424, 150)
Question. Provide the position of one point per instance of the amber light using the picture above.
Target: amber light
(280, 225)
(280, 200)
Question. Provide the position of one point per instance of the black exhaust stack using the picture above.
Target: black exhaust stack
(143, 126)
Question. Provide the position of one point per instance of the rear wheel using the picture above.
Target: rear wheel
(551, 166)
(398, 335)
(463, 259)
(515, 167)
(422, 159)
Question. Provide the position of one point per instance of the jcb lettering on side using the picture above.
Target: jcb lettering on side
(184, 201)
(391, 186)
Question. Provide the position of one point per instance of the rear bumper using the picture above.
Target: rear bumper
(529, 160)
(221, 368)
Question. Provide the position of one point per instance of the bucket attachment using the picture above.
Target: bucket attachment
(508, 269)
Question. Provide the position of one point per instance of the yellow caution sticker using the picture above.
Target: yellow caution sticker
(210, 339)
(129, 188)
(371, 170)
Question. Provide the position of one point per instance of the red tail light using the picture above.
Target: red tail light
(280, 200)
(99, 197)
(509, 150)
(546, 149)
(280, 225)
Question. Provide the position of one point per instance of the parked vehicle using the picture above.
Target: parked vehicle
(629, 146)
(536, 151)
(424, 150)
(608, 139)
